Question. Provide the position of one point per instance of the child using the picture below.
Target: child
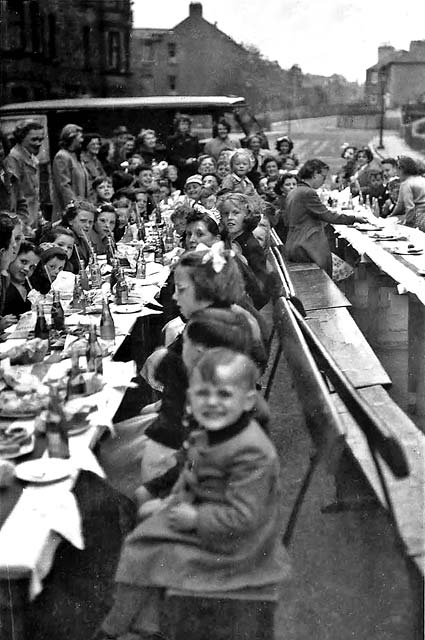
(220, 528)
(52, 261)
(393, 188)
(193, 187)
(63, 238)
(223, 169)
(237, 181)
(103, 190)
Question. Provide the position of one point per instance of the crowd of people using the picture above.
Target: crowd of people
(208, 491)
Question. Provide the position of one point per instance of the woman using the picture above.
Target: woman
(104, 224)
(148, 147)
(12, 199)
(221, 139)
(258, 155)
(20, 271)
(411, 197)
(270, 169)
(365, 162)
(52, 261)
(183, 149)
(70, 179)
(90, 160)
(79, 218)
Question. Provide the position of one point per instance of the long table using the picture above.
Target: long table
(38, 517)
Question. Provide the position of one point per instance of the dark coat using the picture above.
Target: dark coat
(235, 487)
(12, 199)
(180, 148)
(70, 181)
(25, 168)
(14, 303)
(307, 219)
(257, 262)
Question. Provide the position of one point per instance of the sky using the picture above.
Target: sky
(322, 36)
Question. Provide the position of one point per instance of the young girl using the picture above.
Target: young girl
(237, 181)
(220, 528)
(240, 217)
(52, 261)
(20, 271)
(79, 218)
(63, 238)
(104, 224)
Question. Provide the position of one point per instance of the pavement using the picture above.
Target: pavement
(395, 146)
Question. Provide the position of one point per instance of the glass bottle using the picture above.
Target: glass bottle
(168, 238)
(121, 289)
(94, 352)
(114, 273)
(76, 384)
(159, 251)
(84, 279)
(95, 275)
(110, 250)
(141, 266)
(78, 296)
(56, 431)
(58, 316)
(107, 327)
(41, 327)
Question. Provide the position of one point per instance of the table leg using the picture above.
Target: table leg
(416, 359)
(13, 606)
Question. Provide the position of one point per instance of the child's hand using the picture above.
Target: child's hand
(142, 495)
(183, 517)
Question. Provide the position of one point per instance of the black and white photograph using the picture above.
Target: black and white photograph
(212, 320)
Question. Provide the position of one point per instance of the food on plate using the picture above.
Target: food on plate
(30, 352)
(12, 439)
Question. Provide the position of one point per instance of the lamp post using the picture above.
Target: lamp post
(382, 86)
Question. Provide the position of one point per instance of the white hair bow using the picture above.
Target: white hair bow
(215, 254)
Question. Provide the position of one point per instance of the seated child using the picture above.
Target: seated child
(238, 181)
(52, 261)
(220, 528)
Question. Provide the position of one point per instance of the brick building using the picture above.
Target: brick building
(58, 49)
(153, 61)
(399, 75)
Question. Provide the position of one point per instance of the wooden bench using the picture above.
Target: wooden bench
(221, 616)
(316, 290)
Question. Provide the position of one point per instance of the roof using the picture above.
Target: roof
(157, 102)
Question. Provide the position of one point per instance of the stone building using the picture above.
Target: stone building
(153, 61)
(399, 76)
(59, 49)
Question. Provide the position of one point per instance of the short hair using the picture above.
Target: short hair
(311, 167)
(251, 137)
(183, 117)
(248, 203)
(97, 181)
(55, 232)
(201, 216)
(27, 246)
(223, 288)
(205, 156)
(267, 161)
(408, 166)
(121, 180)
(52, 252)
(240, 153)
(244, 369)
(143, 167)
(88, 137)
(73, 209)
(104, 208)
(24, 127)
(214, 327)
(144, 132)
(6, 229)
(224, 123)
(368, 153)
(391, 161)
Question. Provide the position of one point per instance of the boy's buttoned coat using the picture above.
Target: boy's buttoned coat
(307, 219)
(236, 543)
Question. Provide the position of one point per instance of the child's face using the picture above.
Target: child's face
(23, 266)
(261, 235)
(145, 178)
(142, 201)
(272, 169)
(233, 218)
(163, 192)
(105, 190)
(290, 184)
(210, 182)
(184, 293)
(172, 173)
(197, 232)
(223, 170)
(122, 214)
(206, 166)
(66, 243)
(241, 166)
(54, 266)
(82, 223)
(105, 223)
(134, 162)
(376, 180)
(193, 190)
(216, 405)
(289, 164)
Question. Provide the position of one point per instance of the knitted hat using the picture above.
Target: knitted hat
(196, 179)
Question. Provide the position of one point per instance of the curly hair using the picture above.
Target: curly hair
(223, 288)
(73, 209)
(250, 205)
(408, 166)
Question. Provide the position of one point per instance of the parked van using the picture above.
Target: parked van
(103, 115)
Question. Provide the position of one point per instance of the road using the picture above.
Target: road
(320, 138)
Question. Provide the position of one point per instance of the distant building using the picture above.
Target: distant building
(399, 75)
(60, 49)
(153, 61)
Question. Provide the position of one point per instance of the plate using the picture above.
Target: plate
(128, 308)
(26, 448)
(408, 252)
(44, 470)
(79, 429)
(367, 227)
(20, 415)
(385, 238)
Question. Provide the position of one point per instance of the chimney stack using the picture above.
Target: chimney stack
(385, 51)
(195, 10)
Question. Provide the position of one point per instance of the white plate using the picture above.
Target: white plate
(26, 448)
(44, 470)
(408, 252)
(127, 308)
(367, 227)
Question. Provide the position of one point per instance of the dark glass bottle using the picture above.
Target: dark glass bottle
(94, 352)
(107, 327)
(141, 266)
(121, 289)
(41, 327)
(76, 383)
(84, 279)
(56, 431)
(95, 275)
(58, 316)
(114, 273)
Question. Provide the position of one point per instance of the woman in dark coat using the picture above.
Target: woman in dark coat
(308, 216)
(183, 149)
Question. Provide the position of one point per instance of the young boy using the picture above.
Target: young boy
(219, 529)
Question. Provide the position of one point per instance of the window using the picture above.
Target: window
(373, 77)
(86, 47)
(13, 27)
(172, 83)
(172, 51)
(147, 50)
(114, 50)
(35, 27)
